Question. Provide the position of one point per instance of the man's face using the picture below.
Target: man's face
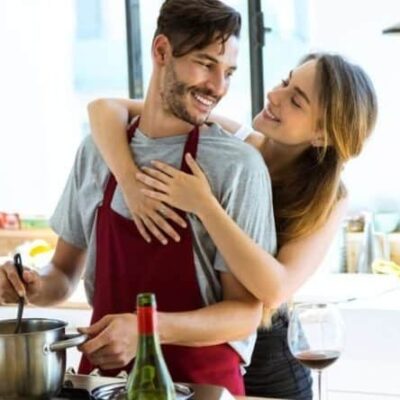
(194, 83)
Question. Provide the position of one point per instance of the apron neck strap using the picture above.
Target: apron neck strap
(190, 147)
(131, 129)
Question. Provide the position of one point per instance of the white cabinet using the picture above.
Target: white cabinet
(370, 304)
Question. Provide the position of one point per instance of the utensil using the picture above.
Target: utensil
(116, 391)
(32, 363)
(21, 301)
(316, 336)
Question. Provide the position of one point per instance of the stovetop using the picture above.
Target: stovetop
(79, 387)
(71, 391)
(73, 394)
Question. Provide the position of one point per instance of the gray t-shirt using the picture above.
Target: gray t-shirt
(238, 177)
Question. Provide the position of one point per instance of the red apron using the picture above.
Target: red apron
(127, 265)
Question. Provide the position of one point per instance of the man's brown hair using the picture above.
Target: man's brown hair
(194, 24)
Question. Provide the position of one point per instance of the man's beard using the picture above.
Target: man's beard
(174, 94)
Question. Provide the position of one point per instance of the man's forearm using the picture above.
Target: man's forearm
(219, 323)
(58, 280)
(55, 287)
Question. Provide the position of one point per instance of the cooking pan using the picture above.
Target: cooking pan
(32, 363)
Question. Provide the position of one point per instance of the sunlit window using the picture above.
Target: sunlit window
(354, 29)
(56, 56)
(59, 55)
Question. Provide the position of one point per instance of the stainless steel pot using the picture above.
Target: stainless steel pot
(32, 363)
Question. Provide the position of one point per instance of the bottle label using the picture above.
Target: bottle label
(146, 320)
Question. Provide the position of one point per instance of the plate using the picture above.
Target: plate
(115, 391)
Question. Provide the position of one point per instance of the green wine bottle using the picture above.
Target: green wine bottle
(149, 378)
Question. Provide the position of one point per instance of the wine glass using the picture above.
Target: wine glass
(316, 336)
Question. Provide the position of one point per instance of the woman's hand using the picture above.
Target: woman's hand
(171, 186)
(150, 215)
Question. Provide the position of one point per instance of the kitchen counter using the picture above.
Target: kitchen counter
(201, 392)
(348, 288)
(370, 305)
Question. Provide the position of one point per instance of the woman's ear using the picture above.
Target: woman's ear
(161, 49)
(318, 140)
(321, 138)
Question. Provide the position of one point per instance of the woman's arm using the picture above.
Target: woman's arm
(108, 121)
(227, 124)
(270, 280)
(252, 137)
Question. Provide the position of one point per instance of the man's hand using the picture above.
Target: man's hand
(113, 341)
(11, 287)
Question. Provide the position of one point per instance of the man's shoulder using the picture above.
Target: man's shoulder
(89, 165)
(88, 153)
(224, 147)
(214, 131)
(87, 148)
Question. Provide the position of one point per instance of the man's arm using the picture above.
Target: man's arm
(114, 337)
(60, 278)
(52, 284)
(234, 318)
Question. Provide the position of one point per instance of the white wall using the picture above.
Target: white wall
(41, 113)
(353, 28)
(36, 98)
(50, 68)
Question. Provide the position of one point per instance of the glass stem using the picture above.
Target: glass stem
(319, 372)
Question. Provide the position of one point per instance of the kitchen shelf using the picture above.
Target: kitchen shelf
(354, 240)
(10, 239)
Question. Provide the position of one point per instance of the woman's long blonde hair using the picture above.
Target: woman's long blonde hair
(306, 194)
(307, 191)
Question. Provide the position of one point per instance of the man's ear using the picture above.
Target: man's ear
(161, 49)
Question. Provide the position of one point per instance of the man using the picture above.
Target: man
(202, 306)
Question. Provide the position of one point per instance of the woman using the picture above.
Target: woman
(312, 123)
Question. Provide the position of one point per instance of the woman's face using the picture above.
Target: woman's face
(290, 114)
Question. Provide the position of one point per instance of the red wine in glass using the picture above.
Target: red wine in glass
(316, 336)
(318, 359)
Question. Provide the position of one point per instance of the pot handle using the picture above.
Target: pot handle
(70, 340)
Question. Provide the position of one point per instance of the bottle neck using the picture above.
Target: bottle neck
(148, 341)
(147, 322)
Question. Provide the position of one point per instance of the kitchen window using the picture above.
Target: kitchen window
(57, 56)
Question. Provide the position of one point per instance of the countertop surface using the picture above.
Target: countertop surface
(201, 392)
(363, 291)
(356, 290)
